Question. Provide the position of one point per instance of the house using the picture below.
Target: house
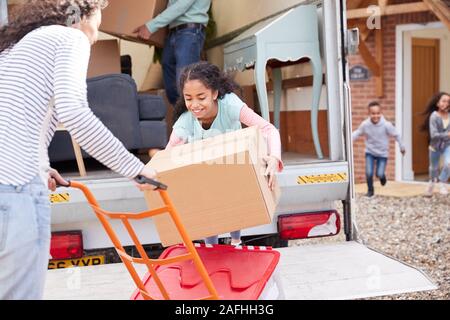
(405, 49)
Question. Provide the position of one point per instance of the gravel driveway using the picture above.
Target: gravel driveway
(415, 230)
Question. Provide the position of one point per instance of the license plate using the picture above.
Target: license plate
(82, 262)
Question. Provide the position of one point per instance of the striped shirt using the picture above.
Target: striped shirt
(43, 83)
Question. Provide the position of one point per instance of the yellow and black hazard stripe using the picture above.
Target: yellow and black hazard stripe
(59, 197)
(323, 178)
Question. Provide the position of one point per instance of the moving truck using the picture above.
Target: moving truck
(318, 174)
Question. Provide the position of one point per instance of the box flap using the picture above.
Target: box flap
(121, 18)
(105, 58)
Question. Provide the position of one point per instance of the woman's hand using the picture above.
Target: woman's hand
(272, 167)
(54, 179)
(149, 173)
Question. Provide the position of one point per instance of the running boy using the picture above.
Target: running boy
(377, 131)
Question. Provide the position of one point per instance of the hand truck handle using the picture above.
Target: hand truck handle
(139, 179)
(143, 180)
(68, 185)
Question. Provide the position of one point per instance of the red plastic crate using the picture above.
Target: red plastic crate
(238, 273)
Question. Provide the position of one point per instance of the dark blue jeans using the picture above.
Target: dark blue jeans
(370, 166)
(182, 48)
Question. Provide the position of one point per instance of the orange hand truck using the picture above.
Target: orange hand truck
(128, 261)
(237, 272)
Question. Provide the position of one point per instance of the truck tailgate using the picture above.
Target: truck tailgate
(334, 271)
(347, 270)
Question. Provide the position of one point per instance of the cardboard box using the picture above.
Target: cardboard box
(217, 185)
(121, 18)
(105, 58)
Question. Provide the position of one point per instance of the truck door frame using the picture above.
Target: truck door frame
(350, 227)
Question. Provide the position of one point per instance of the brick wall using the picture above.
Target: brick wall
(364, 92)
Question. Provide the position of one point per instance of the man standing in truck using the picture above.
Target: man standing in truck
(377, 131)
(187, 20)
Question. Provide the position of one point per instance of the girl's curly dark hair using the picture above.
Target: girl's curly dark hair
(33, 14)
(211, 77)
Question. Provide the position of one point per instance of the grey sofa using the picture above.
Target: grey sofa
(137, 120)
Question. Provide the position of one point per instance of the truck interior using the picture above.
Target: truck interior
(291, 89)
(293, 55)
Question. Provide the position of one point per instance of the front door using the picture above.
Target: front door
(425, 83)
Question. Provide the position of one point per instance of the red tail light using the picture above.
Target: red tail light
(66, 245)
(309, 225)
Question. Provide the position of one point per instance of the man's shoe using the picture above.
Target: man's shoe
(369, 193)
(443, 189)
(383, 180)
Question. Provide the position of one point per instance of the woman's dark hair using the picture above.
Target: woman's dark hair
(211, 77)
(34, 14)
(431, 107)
